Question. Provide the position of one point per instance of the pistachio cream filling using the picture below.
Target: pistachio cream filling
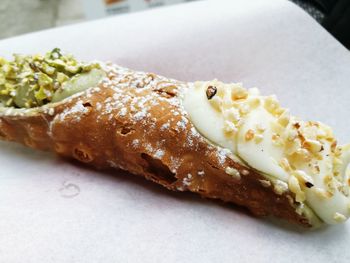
(301, 155)
(31, 81)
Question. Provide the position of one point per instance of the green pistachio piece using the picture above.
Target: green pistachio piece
(42, 94)
(43, 79)
(24, 94)
(57, 63)
(79, 83)
(48, 69)
(7, 88)
(30, 81)
(61, 77)
(91, 66)
(73, 69)
(9, 71)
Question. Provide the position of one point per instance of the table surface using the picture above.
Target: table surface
(56, 211)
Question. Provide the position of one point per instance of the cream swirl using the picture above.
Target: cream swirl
(303, 154)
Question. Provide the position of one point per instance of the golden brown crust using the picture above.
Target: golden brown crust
(134, 121)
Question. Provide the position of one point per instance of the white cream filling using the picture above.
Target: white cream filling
(199, 105)
(255, 128)
(263, 156)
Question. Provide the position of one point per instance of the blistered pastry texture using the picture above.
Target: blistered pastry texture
(134, 121)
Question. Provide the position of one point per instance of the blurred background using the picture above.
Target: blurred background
(24, 16)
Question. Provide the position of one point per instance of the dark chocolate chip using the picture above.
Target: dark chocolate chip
(309, 185)
(211, 91)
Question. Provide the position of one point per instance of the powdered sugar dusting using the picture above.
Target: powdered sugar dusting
(149, 147)
(159, 154)
(174, 163)
(135, 143)
(77, 110)
(122, 112)
(116, 165)
(98, 106)
(181, 125)
(201, 173)
(165, 126)
(140, 115)
(135, 95)
(222, 154)
(187, 180)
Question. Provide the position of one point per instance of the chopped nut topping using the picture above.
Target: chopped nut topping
(230, 127)
(239, 93)
(249, 135)
(254, 103)
(300, 209)
(265, 183)
(333, 146)
(339, 217)
(313, 146)
(297, 125)
(280, 187)
(284, 118)
(338, 151)
(232, 115)
(211, 91)
(233, 172)
(303, 178)
(31, 81)
(277, 140)
(245, 172)
(284, 163)
(303, 153)
(295, 188)
(272, 106)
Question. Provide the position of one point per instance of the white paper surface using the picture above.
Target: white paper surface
(56, 211)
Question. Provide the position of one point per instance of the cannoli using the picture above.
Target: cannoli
(219, 140)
